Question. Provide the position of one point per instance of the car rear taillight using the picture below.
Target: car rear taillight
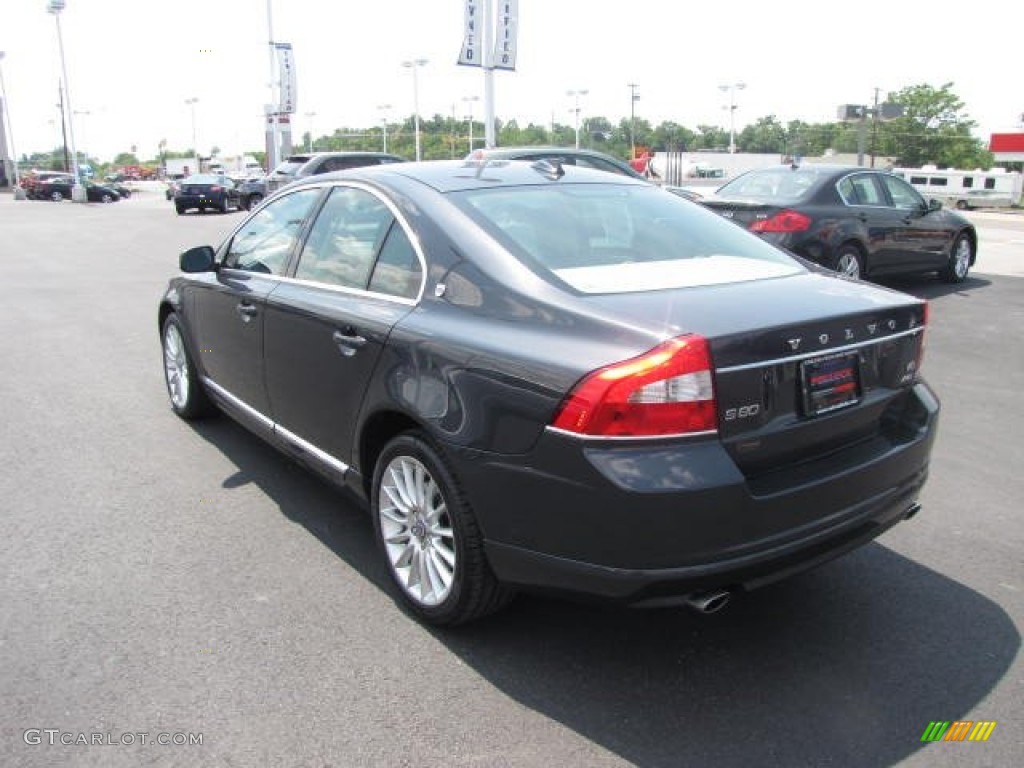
(667, 391)
(215, 188)
(783, 221)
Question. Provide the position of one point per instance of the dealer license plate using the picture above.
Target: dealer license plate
(831, 382)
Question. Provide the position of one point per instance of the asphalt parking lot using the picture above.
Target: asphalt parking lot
(162, 579)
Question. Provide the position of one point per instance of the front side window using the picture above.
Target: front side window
(265, 241)
(903, 195)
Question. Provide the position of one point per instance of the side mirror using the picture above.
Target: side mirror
(934, 205)
(199, 259)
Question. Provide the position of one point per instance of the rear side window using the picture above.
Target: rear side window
(343, 242)
(356, 242)
(861, 189)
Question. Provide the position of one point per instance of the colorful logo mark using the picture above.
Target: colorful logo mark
(958, 730)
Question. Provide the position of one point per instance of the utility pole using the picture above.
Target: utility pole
(633, 96)
(63, 125)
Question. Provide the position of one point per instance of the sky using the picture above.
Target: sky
(132, 64)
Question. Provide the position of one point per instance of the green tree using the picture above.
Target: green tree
(933, 129)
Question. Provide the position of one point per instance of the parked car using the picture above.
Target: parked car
(206, 190)
(558, 379)
(59, 188)
(299, 166)
(122, 189)
(857, 221)
(585, 158)
(31, 181)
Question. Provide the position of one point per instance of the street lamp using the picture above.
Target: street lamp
(731, 89)
(414, 65)
(309, 140)
(19, 193)
(384, 109)
(576, 110)
(77, 191)
(195, 146)
(469, 117)
(633, 98)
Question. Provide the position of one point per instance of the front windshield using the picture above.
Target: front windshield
(611, 238)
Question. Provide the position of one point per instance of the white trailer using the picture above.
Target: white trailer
(994, 188)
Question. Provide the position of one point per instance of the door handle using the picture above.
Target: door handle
(349, 343)
(246, 310)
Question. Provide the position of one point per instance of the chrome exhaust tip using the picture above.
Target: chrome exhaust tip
(708, 602)
(913, 510)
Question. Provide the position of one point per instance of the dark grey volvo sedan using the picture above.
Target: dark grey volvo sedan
(557, 379)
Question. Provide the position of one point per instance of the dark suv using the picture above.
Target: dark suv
(308, 164)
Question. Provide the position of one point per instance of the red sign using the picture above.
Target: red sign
(1007, 142)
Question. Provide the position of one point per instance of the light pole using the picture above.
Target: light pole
(195, 146)
(469, 117)
(633, 97)
(384, 109)
(82, 133)
(19, 193)
(309, 140)
(77, 191)
(731, 89)
(414, 65)
(576, 110)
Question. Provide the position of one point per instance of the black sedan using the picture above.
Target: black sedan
(857, 221)
(60, 187)
(206, 190)
(552, 378)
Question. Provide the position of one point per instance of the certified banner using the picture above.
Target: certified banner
(286, 68)
(506, 35)
(470, 54)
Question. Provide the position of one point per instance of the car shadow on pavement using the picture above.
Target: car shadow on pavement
(934, 287)
(844, 665)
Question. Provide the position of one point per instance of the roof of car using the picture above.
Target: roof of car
(454, 175)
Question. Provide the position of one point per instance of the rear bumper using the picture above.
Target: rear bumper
(650, 523)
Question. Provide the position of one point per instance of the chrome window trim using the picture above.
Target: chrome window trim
(820, 352)
(351, 291)
(291, 437)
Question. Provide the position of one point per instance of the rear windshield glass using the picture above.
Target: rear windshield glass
(609, 238)
(778, 184)
(289, 167)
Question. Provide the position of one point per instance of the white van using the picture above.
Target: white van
(994, 188)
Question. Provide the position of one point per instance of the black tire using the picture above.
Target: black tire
(848, 261)
(180, 210)
(107, 198)
(444, 547)
(961, 205)
(184, 389)
(225, 206)
(960, 257)
(56, 196)
(253, 201)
